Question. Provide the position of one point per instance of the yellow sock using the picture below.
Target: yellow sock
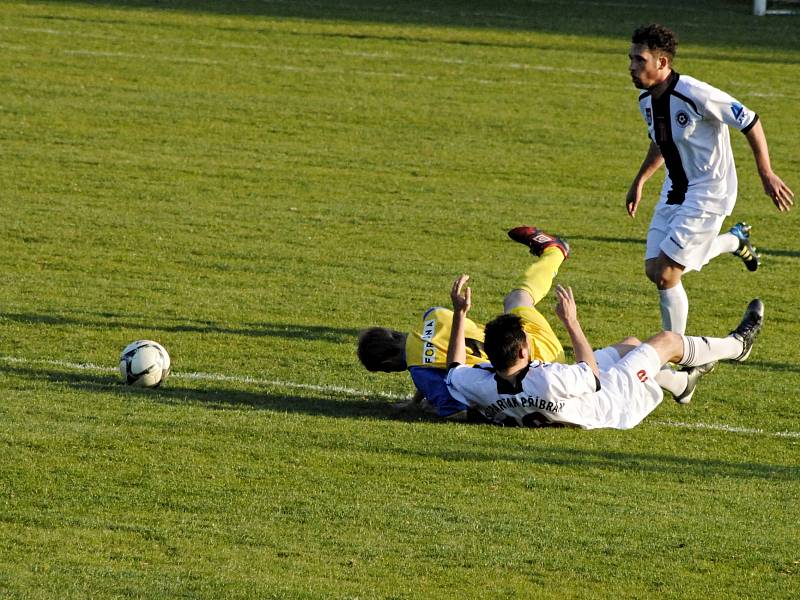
(538, 278)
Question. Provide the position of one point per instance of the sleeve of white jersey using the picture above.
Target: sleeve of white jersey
(643, 112)
(452, 380)
(723, 107)
(567, 381)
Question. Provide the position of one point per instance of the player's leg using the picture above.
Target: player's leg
(673, 301)
(682, 383)
(533, 285)
(665, 272)
(610, 355)
(536, 281)
(624, 346)
(674, 381)
(629, 390)
(686, 239)
(737, 242)
(692, 351)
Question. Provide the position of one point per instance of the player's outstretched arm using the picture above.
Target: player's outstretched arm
(780, 193)
(567, 311)
(652, 163)
(462, 302)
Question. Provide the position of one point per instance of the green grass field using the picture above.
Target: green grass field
(250, 183)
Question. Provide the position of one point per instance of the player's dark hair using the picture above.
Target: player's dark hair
(657, 38)
(504, 336)
(382, 349)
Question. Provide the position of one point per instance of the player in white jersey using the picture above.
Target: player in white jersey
(615, 387)
(687, 122)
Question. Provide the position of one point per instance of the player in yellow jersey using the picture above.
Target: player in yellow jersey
(423, 352)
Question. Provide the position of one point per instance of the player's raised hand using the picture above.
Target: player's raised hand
(782, 196)
(566, 310)
(460, 295)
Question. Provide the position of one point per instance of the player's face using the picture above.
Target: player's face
(647, 69)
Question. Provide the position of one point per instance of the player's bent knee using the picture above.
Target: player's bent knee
(668, 345)
(664, 272)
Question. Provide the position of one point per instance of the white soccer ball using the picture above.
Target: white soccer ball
(144, 363)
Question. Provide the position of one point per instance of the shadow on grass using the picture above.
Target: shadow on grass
(763, 366)
(351, 408)
(110, 321)
(711, 23)
(331, 404)
(626, 461)
(607, 240)
(775, 252)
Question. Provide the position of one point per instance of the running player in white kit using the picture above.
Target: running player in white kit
(688, 124)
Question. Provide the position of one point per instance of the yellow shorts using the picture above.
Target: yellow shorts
(545, 346)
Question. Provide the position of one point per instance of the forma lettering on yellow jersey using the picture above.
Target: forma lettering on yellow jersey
(428, 349)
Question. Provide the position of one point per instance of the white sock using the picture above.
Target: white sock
(703, 350)
(724, 242)
(674, 309)
(671, 380)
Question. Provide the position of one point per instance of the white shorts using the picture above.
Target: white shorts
(606, 358)
(628, 389)
(684, 234)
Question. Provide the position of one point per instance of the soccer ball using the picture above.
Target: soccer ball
(144, 363)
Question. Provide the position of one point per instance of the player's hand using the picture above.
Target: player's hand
(782, 196)
(460, 295)
(632, 199)
(566, 310)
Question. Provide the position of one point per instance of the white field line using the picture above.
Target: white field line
(218, 377)
(290, 385)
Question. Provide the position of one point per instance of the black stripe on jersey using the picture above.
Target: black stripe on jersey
(662, 127)
(749, 127)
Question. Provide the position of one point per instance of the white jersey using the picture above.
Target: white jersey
(689, 122)
(555, 394)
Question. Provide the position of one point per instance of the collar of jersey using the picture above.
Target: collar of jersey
(506, 387)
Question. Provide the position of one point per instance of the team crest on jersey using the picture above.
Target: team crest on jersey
(682, 118)
(648, 116)
(739, 112)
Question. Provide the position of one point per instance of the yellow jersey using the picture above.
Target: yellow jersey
(428, 347)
